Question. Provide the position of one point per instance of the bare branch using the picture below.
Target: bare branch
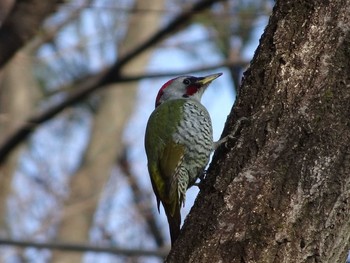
(86, 248)
(113, 74)
(104, 78)
(49, 33)
(22, 24)
(183, 72)
(137, 77)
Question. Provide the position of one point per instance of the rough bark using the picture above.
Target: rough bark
(116, 106)
(280, 191)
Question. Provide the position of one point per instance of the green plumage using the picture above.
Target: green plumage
(163, 157)
(178, 142)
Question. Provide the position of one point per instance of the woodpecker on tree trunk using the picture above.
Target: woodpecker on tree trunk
(178, 143)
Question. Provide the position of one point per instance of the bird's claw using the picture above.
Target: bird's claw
(231, 136)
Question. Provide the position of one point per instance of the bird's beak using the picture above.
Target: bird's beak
(203, 81)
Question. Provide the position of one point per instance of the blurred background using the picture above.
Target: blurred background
(81, 177)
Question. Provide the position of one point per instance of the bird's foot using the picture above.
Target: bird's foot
(237, 125)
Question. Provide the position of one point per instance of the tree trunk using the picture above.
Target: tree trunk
(116, 106)
(280, 191)
(18, 94)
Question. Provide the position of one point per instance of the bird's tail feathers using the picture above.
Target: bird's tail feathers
(174, 220)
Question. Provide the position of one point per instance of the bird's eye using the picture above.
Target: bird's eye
(186, 82)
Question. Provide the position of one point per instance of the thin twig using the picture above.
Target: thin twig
(85, 248)
(49, 33)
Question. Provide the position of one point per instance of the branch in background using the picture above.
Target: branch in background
(49, 33)
(104, 78)
(137, 77)
(21, 24)
(113, 74)
(225, 64)
(91, 79)
(85, 248)
(139, 198)
(130, 78)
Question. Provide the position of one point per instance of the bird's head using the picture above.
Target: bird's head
(185, 87)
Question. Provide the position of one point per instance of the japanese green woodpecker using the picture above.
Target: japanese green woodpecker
(178, 142)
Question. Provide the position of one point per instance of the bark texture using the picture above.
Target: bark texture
(280, 192)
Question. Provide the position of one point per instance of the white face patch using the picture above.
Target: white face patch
(179, 88)
(187, 87)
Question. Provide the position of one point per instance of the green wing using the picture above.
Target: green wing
(163, 154)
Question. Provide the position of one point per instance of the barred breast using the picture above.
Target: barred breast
(196, 133)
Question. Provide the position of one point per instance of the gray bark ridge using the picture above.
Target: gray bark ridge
(280, 192)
